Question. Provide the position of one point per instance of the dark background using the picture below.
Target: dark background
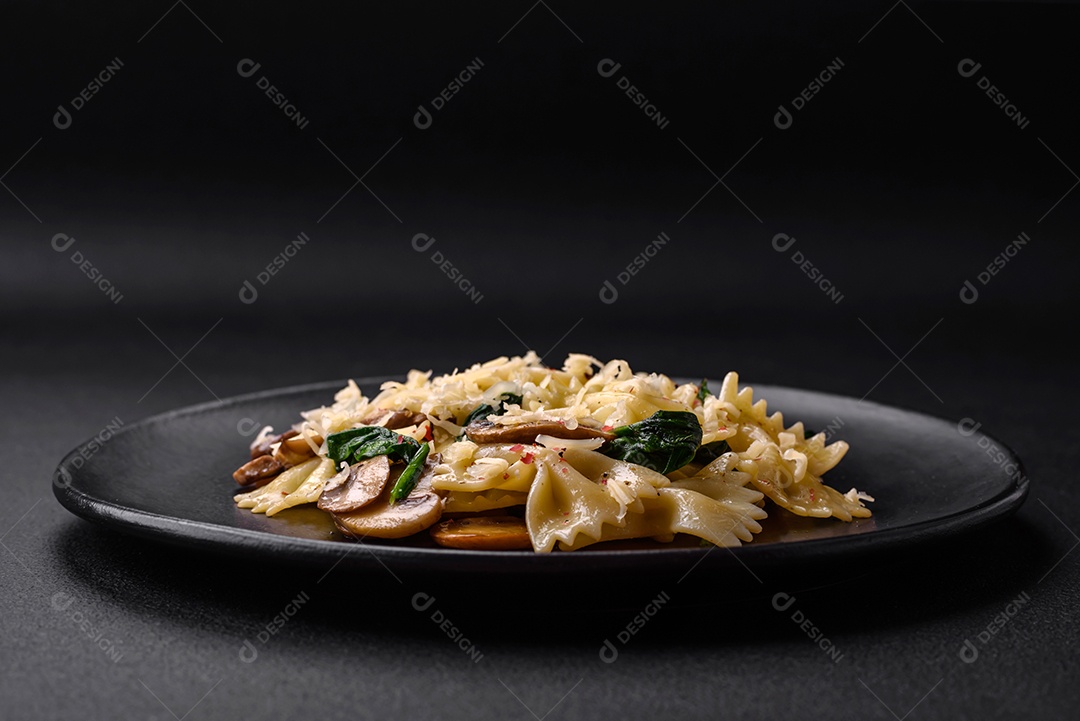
(540, 180)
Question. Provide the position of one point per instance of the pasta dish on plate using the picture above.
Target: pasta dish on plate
(512, 454)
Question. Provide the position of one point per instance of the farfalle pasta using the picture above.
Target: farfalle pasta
(512, 454)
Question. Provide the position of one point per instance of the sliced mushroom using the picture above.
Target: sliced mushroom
(293, 451)
(258, 472)
(488, 432)
(356, 486)
(483, 533)
(393, 420)
(299, 443)
(381, 519)
(262, 448)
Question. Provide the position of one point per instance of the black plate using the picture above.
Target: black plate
(169, 478)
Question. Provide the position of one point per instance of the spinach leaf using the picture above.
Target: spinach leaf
(710, 452)
(357, 444)
(408, 479)
(484, 410)
(664, 442)
(703, 390)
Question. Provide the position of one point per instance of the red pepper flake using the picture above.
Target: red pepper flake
(564, 470)
(428, 435)
(603, 481)
(505, 476)
(400, 438)
(517, 448)
(811, 495)
(527, 458)
(608, 428)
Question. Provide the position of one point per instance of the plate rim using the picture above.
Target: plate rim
(204, 535)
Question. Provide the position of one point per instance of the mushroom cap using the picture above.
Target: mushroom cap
(488, 432)
(483, 533)
(381, 519)
(356, 486)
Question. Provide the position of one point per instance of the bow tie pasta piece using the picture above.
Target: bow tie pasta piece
(563, 505)
(466, 502)
(627, 483)
(680, 510)
(468, 467)
(774, 476)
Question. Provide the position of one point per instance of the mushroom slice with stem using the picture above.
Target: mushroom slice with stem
(483, 533)
(488, 432)
(258, 472)
(356, 486)
(393, 420)
(383, 519)
(263, 446)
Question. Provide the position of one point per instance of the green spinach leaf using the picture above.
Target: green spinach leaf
(664, 442)
(408, 479)
(710, 452)
(484, 410)
(358, 444)
(703, 390)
